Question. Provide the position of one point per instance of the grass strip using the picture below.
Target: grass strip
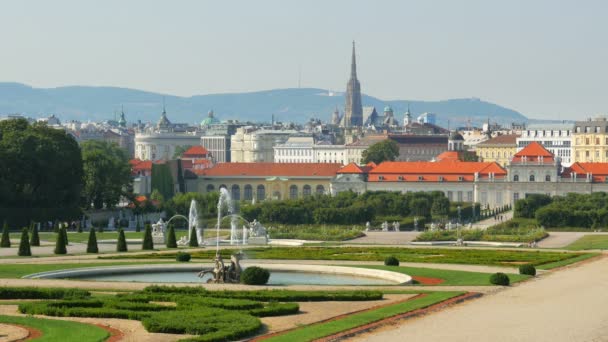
(315, 331)
(59, 331)
(567, 262)
(589, 242)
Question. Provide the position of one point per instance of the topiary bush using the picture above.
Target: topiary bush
(255, 276)
(148, 243)
(121, 243)
(500, 279)
(6, 240)
(183, 257)
(24, 244)
(391, 261)
(64, 232)
(171, 241)
(193, 238)
(35, 239)
(60, 243)
(92, 243)
(527, 270)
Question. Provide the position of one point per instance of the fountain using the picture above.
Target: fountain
(111, 223)
(194, 224)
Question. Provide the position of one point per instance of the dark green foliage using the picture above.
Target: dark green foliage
(121, 243)
(500, 279)
(148, 243)
(527, 269)
(5, 242)
(92, 243)
(35, 239)
(79, 230)
(391, 261)
(575, 210)
(440, 207)
(254, 275)
(64, 233)
(41, 293)
(162, 180)
(171, 240)
(193, 238)
(275, 309)
(24, 244)
(386, 150)
(183, 257)
(528, 206)
(60, 244)
(180, 204)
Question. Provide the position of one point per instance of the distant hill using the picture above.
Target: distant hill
(100, 103)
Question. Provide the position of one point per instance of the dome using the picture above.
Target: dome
(164, 121)
(210, 119)
(388, 109)
(456, 136)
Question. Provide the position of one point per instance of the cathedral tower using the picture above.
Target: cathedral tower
(353, 110)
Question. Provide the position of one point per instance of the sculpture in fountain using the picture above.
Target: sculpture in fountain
(224, 274)
(257, 233)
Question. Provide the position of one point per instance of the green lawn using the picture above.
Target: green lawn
(567, 262)
(316, 331)
(59, 331)
(454, 278)
(589, 242)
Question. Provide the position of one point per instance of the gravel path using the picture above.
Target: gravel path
(569, 305)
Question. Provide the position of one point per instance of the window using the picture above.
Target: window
(515, 196)
(597, 141)
(578, 141)
(450, 196)
(440, 178)
(307, 190)
(516, 178)
(547, 178)
(320, 189)
(578, 129)
(469, 196)
(498, 198)
(587, 129)
(586, 141)
(531, 178)
(420, 178)
(248, 193)
(380, 178)
(261, 192)
(236, 192)
(597, 129)
(400, 178)
(293, 192)
(210, 188)
(460, 178)
(459, 196)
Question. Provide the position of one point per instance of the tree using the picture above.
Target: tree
(60, 244)
(179, 151)
(6, 239)
(386, 150)
(24, 244)
(162, 180)
(35, 239)
(107, 173)
(41, 173)
(92, 243)
(157, 196)
(148, 243)
(171, 240)
(121, 244)
(193, 238)
(441, 207)
(138, 226)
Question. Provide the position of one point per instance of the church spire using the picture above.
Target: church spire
(353, 110)
(353, 65)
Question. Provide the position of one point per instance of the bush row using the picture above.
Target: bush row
(41, 293)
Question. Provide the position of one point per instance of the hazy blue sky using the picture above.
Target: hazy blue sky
(544, 58)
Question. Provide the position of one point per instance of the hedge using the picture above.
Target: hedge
(391, 261)
(41, 293)
(527, 270)
(500, 279)
(254, 275)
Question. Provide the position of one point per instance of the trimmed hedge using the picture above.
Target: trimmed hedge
(92, 243)
(193, 238)
(35, 239)
(276, 309)
(527, 270)
(121, 243)
(171, 240)
(148, 243)
(5, 242)
(500, 279)
(41, 293)
(60, 243)
(183, 257)
(391, 261)
(254, 275)
(24, 244)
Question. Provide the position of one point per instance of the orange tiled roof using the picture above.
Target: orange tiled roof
(351, 168)
(196, 151)
(272, 169)
(432, 171)
(500, 140)
(534, 149)
(599, 171)
(448, 156)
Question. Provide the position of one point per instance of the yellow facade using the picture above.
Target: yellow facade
(590, 147)
(271, 188)
(499, 149)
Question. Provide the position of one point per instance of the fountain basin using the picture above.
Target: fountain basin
(284, 274)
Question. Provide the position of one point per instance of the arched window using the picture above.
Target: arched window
(307, 190)
(210, 188)
(223, 186)
(547, 178)
(261, 193)
(516, 178)
(531, 178)
(248, 194)
(236, 192)
(293, 192)
(320, 189)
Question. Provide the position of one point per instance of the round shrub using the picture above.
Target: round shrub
(183, 257)
(527, 270)
(500, 279)
(391, 261)
(255, 276)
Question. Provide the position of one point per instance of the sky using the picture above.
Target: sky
(544, 58)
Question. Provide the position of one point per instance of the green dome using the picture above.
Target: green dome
(388, 109)
(209, 120)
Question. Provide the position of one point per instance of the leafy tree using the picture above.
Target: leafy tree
(157, 196)
(386, 150)
(6, 241)
(92, 243)
(162, 179)
(35, 239)
(60, 245)
(179, 151)
(107, 173)
(527, 207)
(171, 240)
(441, 207)
(41, 172)
(24, 244)
(148, 243)
(121, 244)
(138, 226)
(193, 238)
(420, 206)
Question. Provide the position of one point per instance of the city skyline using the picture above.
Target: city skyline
(541, 59)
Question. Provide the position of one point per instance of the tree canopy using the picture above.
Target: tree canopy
(107, 173)
(386, 150)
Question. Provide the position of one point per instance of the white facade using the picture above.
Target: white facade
(161, 145)
(250, 144)
(218, 147)
(304, 150)
(557, 138)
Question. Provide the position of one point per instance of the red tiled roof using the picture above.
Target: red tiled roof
(351, 168)
(195, 151)
(431, 171)
(448, 156)
(500, 140)
(599, 171)
(137, 164)
(532, 152)
(272, 169)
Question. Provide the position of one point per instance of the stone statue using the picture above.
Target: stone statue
(396, 226)
(257, 230)
(224, 274)
(385, 226)
(158, 231)
(367, 226)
